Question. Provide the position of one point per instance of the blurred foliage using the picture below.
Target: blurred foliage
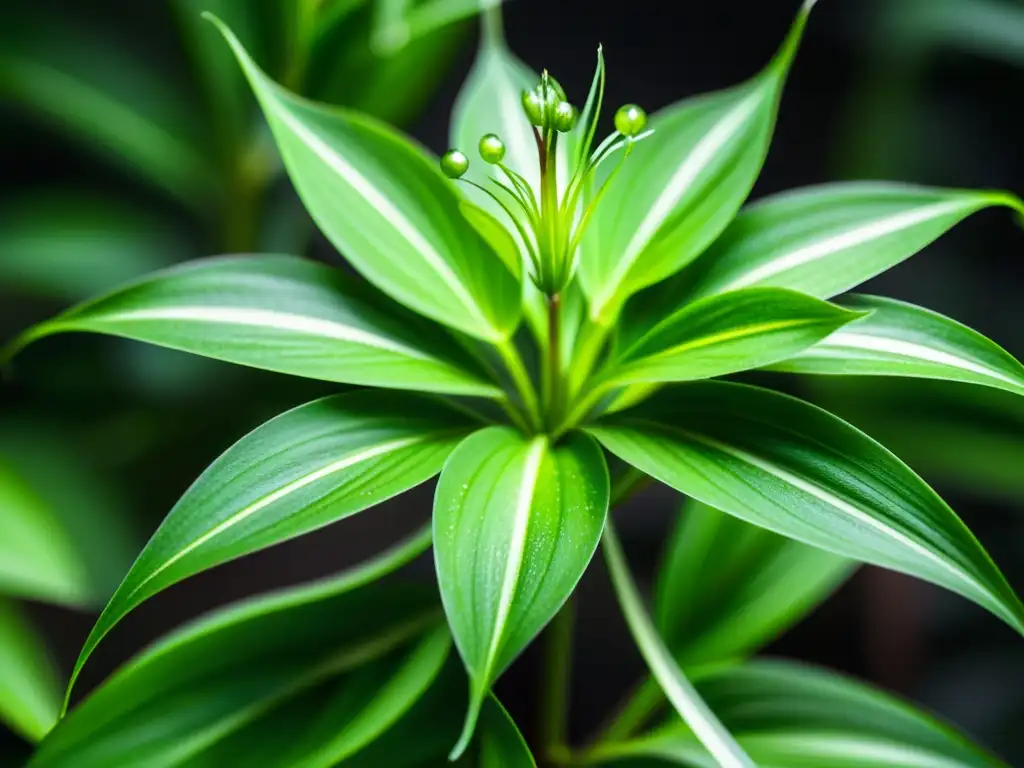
(176, 166)
(914, 119)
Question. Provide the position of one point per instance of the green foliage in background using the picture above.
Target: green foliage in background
(517, 329)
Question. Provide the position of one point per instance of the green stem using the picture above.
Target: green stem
(557, 674)
(521, 380)
(553, 377)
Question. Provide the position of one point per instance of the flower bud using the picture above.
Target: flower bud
(492, 149)
(630, 120)
(533, 106)
(454, 164)
(564, 117)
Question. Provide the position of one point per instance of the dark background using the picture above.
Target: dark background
(860, 103)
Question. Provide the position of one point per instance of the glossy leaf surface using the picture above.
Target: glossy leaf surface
(899, 339)
(780, 463)
(285, 314)
(305, 469)
(793, 716)
(728, 333)
(827, 239)
(969, 438)
(727, 587)
(386, 207)
(490, 102)
(29, 692)
(682, 186)
(700, 718)
(516, 522)
(343, 642)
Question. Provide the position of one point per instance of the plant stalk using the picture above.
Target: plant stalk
(553, 384)
(557, 674)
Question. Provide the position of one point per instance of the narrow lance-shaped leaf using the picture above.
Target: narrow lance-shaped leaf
(828, 239)
(899, 339)
(516, 521)
(682, 186)
(777, 462)
(203, 686)
(969, 438)
(727, 587)
(29, 692)
(388, 209)
(726, 334)
(792, 716)
(489, 102)
(680, 691)
(305, 469)
(280, 313)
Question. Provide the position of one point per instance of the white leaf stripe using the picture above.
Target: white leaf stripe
(296, 485)
(841, 343)
(374, 196)
(517, 549)
(739, 333)
(819, 493)
(837, 243)
(683, 178)
(684, 697)
(265, 318)
(829, 746)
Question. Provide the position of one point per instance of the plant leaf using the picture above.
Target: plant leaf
(959, 437)
(106, 99)
(489, 102)
(727, 587)
(29, 692)
(793, 716)
(205, 683)
(386, 206)
(496, 236)
(501, 744)
(68, 246)
(307, 468)
(726, 334)
(682, 186)
(785, 465)
(827, 239)
(899, 339)
(280, 313)
(37, 557)
(516, 522)
(684, 697)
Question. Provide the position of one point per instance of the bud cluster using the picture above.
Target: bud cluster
(551, 220)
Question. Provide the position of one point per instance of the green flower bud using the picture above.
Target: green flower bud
(630, 120)
(533, 106)
(564, 117)
(454, 164)
(492, 149)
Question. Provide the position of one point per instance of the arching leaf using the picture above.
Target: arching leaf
(516, 521)
(387, 208)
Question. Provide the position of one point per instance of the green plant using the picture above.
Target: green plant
(520, 362)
